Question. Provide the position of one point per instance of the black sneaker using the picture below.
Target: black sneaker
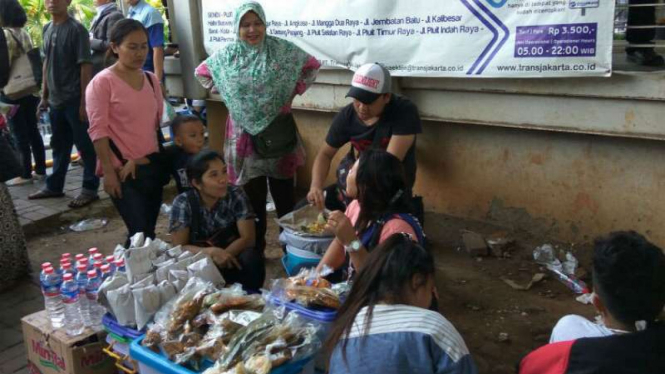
(645, 57)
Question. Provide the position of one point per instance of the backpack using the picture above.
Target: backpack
(370, 237)
(4, 60)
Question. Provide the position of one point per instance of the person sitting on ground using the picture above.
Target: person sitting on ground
(380, 208)
(384, 326)
(629, 295)
(216, 218)
(376, 119)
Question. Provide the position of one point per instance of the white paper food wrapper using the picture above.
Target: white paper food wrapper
(137, 240)
(147, 301)
(174, 252)
(113, 283)
(206, 270)
(144, 280)
(138, 261)
(178, 278)
(160, 260)
(121, 301)
(166, 292)
(162, 272)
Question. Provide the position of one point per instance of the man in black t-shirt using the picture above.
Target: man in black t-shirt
(376, 119)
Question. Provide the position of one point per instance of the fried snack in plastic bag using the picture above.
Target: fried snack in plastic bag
(313, 297)
(174, 314)
(311, 277)
(258, 365)
(153, 338)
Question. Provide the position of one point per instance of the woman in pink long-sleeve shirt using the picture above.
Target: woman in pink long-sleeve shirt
(124, 106)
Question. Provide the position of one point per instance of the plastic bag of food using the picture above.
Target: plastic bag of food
(312, 277)
(178, 278)
(166, 292)
(306, 221)
(233, 297)
(206, 270)
(187, 305)
(138, 261)
(121, 301)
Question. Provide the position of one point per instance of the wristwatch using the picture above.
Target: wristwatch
(354, 246)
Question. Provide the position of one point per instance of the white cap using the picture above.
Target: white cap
(369, 82)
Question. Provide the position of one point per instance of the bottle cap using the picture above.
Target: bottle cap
(66, 255)
(79, 256)
(67, 276)
(110, 259)
(98, 257)
(92, 274)
(84, 261)
(82, 268)
(98, 264)
(46, 265)
(106, 268)
(48, 270)
(93, 250)
(66, 265)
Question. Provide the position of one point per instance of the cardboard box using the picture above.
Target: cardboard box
(54, 352)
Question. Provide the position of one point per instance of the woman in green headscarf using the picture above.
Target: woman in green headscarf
(257, 77)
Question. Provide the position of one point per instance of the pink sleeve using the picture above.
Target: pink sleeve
(395, 226)
(308, 75)
(202, 73)
(97, 98)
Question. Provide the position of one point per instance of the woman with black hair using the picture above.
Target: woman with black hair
(383, 327)
(23, 124)
(381, 207)
(216, 218)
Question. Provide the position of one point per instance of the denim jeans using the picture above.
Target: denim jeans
(68, 130)
(139, 210)
(29, 141)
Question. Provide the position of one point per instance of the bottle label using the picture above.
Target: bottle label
(50, 290)
(70, 297)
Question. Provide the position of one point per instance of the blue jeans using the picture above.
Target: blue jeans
(68, 130)
(26, 134)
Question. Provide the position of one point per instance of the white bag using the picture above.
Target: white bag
(206, 270)
(21, 78)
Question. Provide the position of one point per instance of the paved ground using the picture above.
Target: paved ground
(31, 211)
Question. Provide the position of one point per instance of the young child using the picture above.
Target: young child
(189, 138)
(384, 326)
(629, 295)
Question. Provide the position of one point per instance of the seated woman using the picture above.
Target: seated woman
(217, 219)
(383, 327)
(381, 207)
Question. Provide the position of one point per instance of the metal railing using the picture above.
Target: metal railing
(621, 25)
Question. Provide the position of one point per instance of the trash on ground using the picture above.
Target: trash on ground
(536, 278)
(500, 245)
(165, 209)
(89, 224)
(474, 244)
(586, 298)
(564, 272)
(504, 337)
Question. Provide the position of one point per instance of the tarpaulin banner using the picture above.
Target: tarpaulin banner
(439, 38)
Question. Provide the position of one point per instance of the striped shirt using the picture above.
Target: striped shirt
(402, 339)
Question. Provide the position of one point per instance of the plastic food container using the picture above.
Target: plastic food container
(296, 259)
(150, 362)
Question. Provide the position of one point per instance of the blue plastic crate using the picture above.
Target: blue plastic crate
(155, 363)
(118, 331)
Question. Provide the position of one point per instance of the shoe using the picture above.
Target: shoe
(645, 57)
(19, 181)
(38, 177)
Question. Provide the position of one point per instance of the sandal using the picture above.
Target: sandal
(82, 200)
(45, 194)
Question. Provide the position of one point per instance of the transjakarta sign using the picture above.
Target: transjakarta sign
(435, 38)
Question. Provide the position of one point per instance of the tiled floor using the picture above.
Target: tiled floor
(31, 211)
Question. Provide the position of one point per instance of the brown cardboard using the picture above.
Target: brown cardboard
(54, 352)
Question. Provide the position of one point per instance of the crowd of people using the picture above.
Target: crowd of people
(103, 91)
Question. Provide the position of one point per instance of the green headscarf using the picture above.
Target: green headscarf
(255, 82)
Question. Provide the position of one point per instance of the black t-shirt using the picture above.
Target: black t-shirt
(175, 160)
(400, 117)
(66, 46)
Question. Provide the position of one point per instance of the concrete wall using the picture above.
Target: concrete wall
(569, 186)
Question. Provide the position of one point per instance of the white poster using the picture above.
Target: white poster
(439, 38)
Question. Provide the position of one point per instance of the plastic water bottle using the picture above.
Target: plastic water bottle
(82, 282)
(66, 268)
(97, 267)
(120, 266)
(84, 261)
(71, 300)
(106, 272)
(78, 259)
(110, 260)
(91, 292)
(92, 252)
(50, 283)
(45, 266)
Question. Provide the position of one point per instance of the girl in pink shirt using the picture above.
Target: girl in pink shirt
(381, 207)
(124, 106)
